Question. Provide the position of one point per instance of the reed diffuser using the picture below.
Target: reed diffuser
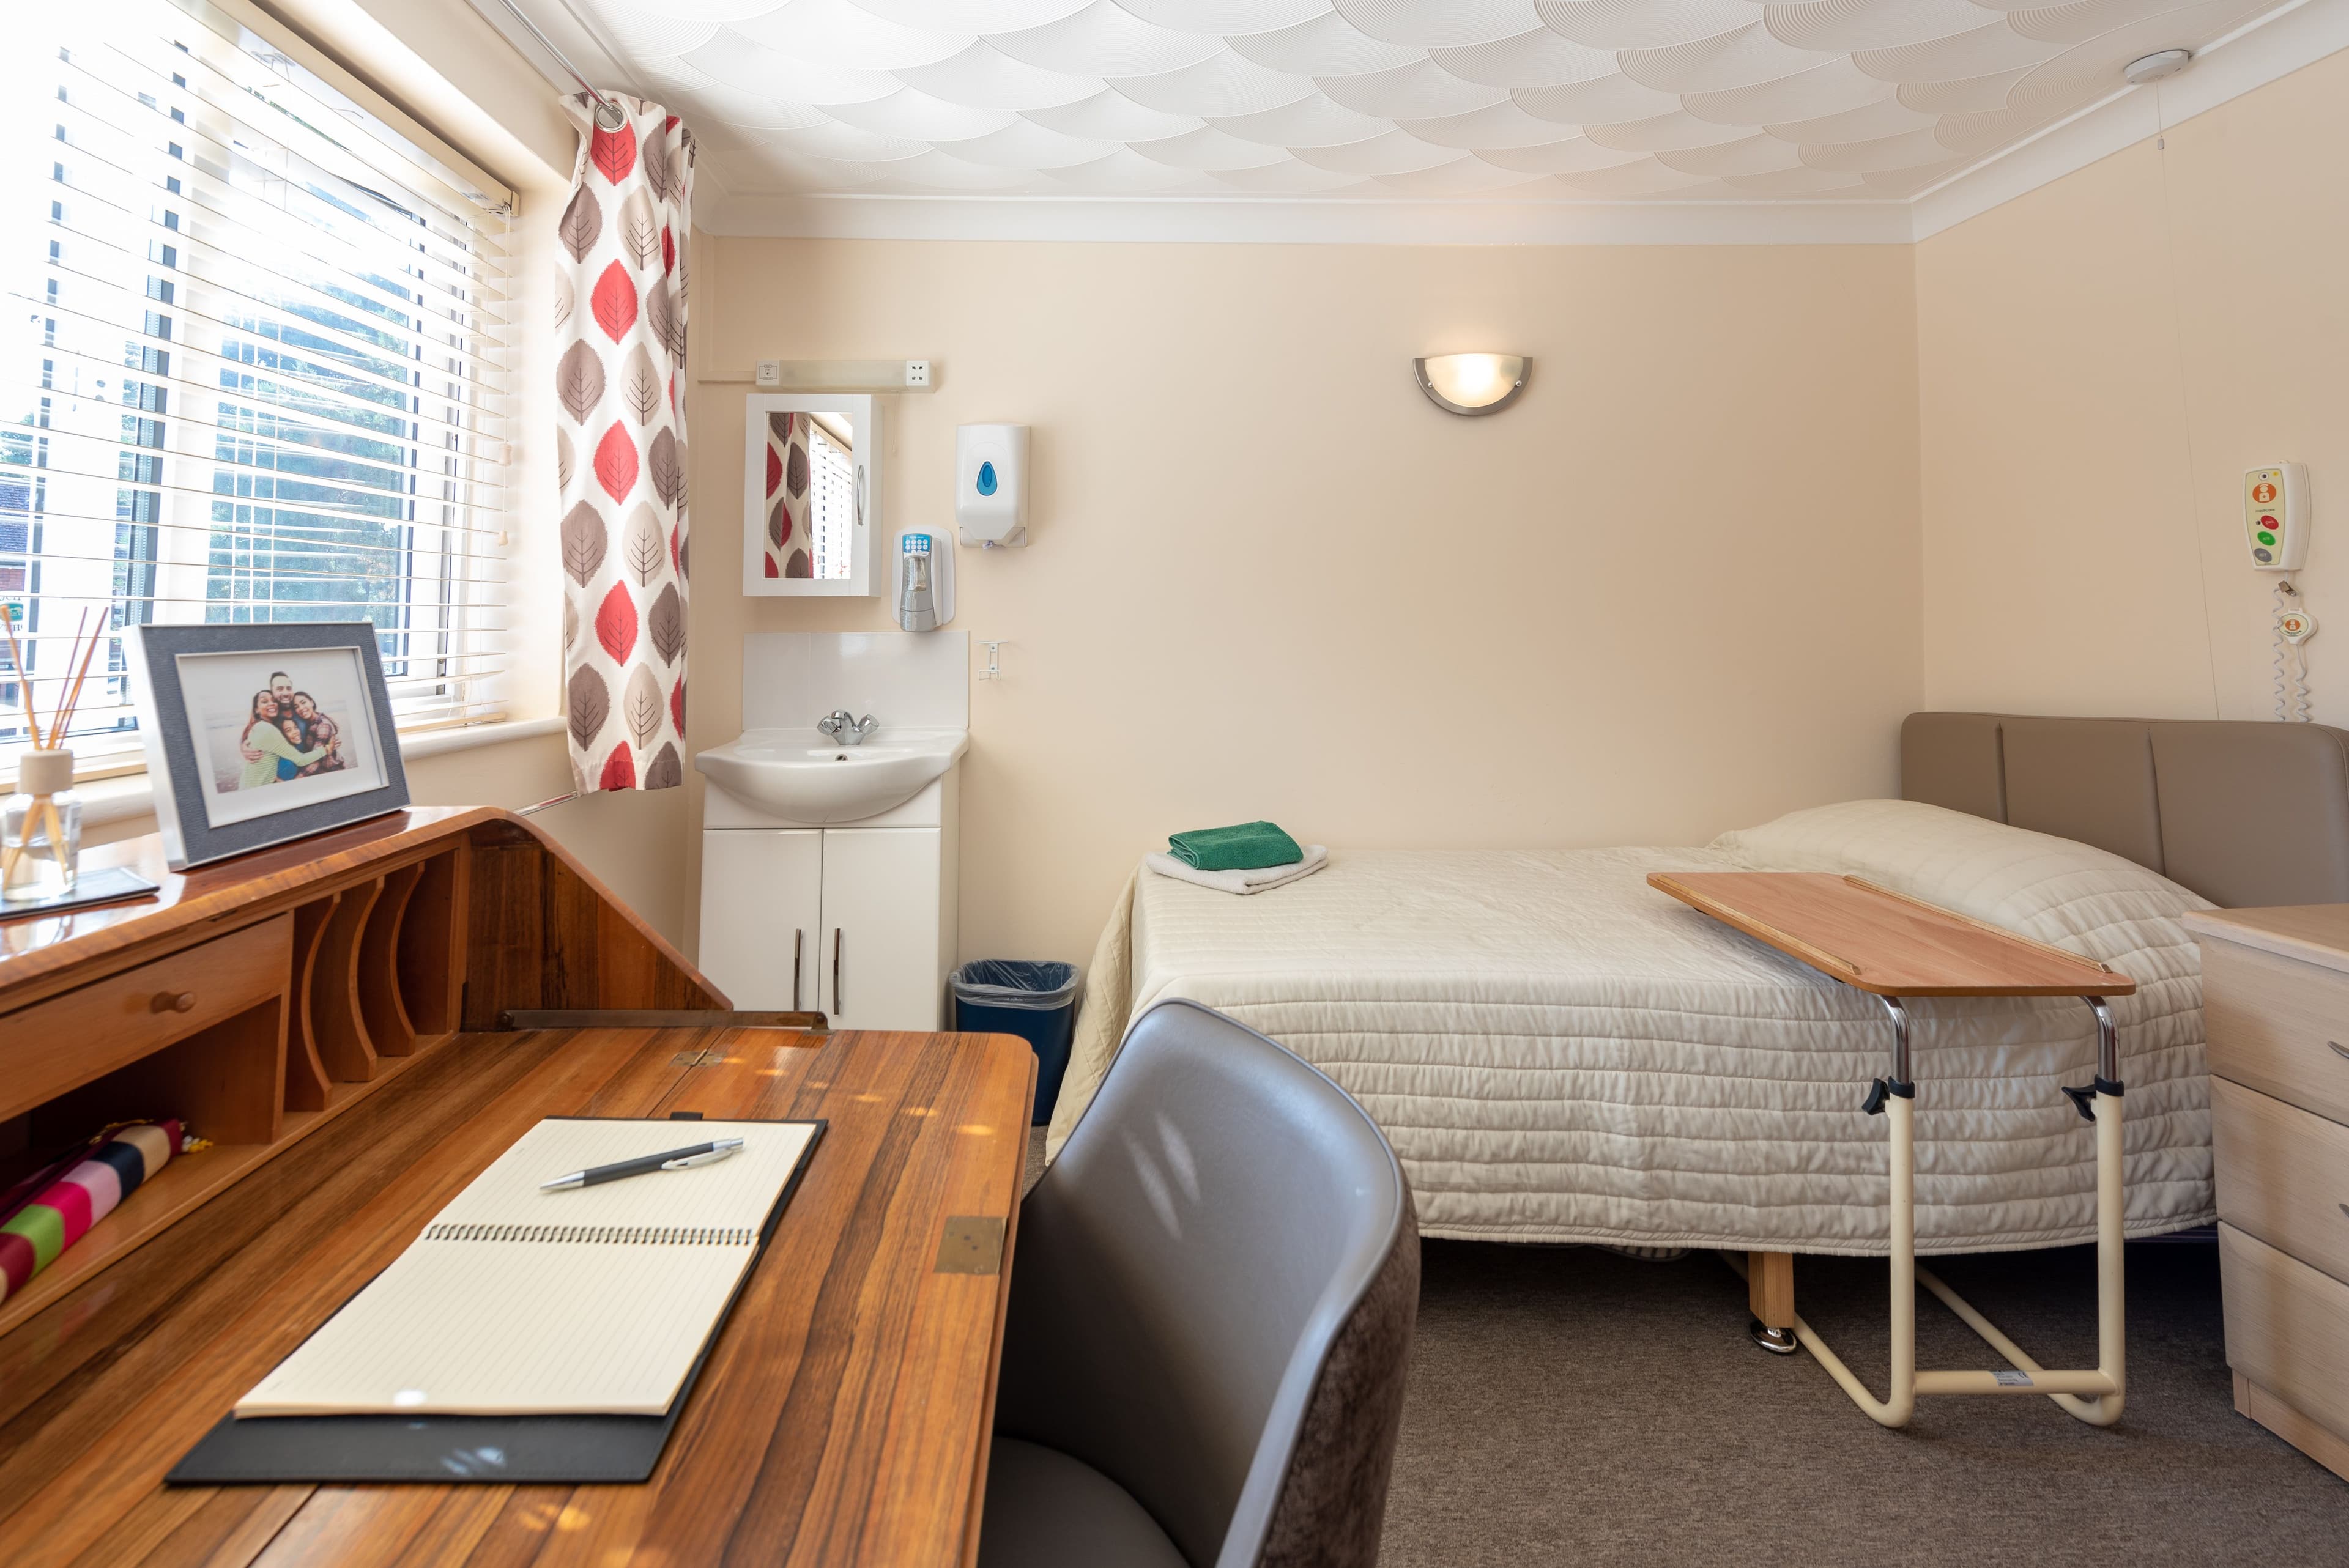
(40, 823)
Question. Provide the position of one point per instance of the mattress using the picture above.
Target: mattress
(1560, 1053)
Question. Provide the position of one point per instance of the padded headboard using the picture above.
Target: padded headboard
(2243, 812)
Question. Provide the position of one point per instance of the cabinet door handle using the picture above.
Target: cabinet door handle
(173, 1002)
(799, 942)
(838, 1006)
(2337, 1051)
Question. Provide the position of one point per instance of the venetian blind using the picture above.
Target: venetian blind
(257, 365)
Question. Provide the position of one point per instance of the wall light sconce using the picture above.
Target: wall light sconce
(1473, 383)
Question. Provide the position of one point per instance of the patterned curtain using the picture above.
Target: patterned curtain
(619, 446)
(787, 495)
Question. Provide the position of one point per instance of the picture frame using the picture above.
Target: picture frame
(258, 734)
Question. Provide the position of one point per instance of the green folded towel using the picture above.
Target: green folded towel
(1251, 846)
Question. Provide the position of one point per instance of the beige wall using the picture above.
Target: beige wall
(1675, 589)
(2099, 362)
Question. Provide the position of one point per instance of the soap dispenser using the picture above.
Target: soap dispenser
(924, 583)
(991, 484)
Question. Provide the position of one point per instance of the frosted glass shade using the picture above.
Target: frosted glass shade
(1473, 383)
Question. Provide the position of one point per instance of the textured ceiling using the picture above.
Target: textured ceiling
(1597, 99)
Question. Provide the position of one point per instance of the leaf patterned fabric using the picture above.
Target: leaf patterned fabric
(787, 495)
(619, 442)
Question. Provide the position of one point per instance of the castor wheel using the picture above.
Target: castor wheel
(1777, 1341)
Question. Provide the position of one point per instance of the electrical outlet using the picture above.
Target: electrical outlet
(917, 372)
(769, 372)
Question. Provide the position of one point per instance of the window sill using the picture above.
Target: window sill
(130, 795)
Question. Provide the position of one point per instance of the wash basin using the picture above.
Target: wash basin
(802, 775)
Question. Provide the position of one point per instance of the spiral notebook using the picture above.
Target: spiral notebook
(520, 1302)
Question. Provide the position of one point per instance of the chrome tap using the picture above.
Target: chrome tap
(845, 728)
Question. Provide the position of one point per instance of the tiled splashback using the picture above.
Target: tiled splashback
(790, 679)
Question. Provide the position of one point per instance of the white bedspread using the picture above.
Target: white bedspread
(1560, 1052)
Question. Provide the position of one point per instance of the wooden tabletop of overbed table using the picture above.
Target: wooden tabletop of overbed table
(1885, 943)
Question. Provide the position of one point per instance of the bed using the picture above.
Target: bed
(1560, 1054)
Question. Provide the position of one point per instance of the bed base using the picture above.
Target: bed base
(2094, 1397)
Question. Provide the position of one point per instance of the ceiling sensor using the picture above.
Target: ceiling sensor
(2153, 68)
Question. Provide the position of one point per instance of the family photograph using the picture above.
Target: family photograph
(278, 730)
(286, 737)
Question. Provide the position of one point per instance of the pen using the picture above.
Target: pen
(672, 1159)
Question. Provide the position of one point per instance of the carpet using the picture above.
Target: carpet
(1568, 1406)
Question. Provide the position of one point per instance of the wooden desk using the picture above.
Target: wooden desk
(1890, 947)
(843, 1418)
(329, 1013)
(260, 999)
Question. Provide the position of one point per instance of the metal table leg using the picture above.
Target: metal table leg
(2093, 1396)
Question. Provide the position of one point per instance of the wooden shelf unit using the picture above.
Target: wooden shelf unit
(260, 999)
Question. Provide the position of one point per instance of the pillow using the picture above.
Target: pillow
(2068, 894)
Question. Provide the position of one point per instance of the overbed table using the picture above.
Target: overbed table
(1892, 947)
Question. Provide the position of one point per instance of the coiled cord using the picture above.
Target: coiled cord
(2290, 662)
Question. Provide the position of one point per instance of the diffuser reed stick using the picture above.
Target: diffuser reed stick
(77, 659)
(64, 725)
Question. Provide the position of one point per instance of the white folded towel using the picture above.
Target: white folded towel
(1246, 882)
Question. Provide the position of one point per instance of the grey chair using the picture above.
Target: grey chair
(1212, 1300)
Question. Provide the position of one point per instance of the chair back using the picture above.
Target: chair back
(1213, 1294)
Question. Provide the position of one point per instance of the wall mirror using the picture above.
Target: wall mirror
(810, 496)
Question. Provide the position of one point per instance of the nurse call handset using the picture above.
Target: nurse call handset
(2275, 525)
(2275, 516)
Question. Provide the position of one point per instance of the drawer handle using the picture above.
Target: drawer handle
(2337, 1049)
(180, 1002)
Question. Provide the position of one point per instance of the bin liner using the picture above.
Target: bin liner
(1036, 1000)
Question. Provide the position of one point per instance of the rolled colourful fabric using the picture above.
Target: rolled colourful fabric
(62, 1212)
(1250, 846)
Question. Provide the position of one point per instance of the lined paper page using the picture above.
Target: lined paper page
(734, 1192)
(502, 1307)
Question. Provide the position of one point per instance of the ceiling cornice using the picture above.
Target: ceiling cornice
(2272, 46)
(1181, 219)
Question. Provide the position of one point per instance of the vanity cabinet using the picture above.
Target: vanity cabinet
(762, 914)
(854, 922)
(883, 966)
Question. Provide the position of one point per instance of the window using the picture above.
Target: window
(254, 364)
(831, 491)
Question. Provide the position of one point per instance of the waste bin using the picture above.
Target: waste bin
(1034, 1000)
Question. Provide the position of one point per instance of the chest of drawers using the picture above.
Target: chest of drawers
(2275, 987)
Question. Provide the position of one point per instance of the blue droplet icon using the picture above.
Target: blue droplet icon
(986, 479)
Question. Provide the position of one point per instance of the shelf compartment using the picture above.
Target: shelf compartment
(388, 1026)
(341, 1030)
(178, 1190)
(432, 943)
(306, 1081)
